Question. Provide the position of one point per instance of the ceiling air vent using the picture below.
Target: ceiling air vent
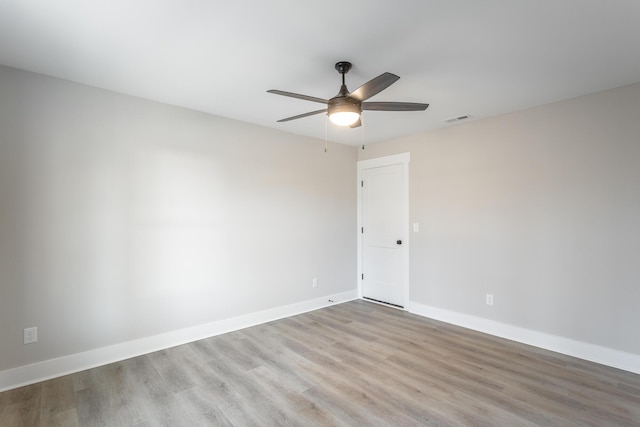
(459, 118)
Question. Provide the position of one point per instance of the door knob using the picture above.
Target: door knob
(398, 242)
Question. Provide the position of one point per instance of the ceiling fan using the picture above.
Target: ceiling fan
(345, 108)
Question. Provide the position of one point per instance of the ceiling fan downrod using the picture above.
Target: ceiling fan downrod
(343, 68)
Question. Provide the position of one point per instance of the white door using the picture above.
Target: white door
(383, 222)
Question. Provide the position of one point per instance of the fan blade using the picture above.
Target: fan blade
(394, 106)
(299, 116)
(356, 124)
(297, 95)
(374, 86)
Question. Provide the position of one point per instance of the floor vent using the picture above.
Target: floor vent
(383, 302)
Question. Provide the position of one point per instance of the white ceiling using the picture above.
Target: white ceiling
(220, 56)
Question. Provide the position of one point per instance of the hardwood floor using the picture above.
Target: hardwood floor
(351, 364)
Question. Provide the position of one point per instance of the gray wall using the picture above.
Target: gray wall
(540, 208)
(122, 218)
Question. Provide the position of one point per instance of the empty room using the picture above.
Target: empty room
(340, 213)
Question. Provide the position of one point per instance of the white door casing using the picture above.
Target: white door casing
(383, 207)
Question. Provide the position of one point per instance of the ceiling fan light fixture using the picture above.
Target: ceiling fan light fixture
(344, 118)
(344, 114)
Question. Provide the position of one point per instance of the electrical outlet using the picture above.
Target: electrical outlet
(315, 283)
(30, 335)
(416, 227)
(489, 299)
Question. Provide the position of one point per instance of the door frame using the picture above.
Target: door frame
(402, 158)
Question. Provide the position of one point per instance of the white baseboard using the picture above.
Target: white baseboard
(591, 352)
(41, 371)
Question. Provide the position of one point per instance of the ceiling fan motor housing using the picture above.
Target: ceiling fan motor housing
(342, 103)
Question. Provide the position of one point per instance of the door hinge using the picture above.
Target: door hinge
(361, 183)
(362, 276)
(362, 230)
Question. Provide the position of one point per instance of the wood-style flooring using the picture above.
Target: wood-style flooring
(352, 364)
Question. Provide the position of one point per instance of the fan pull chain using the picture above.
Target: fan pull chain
(326, 124)
(362, 127)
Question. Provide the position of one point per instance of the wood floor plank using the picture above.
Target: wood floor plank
(352, 364)
(58, 403)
